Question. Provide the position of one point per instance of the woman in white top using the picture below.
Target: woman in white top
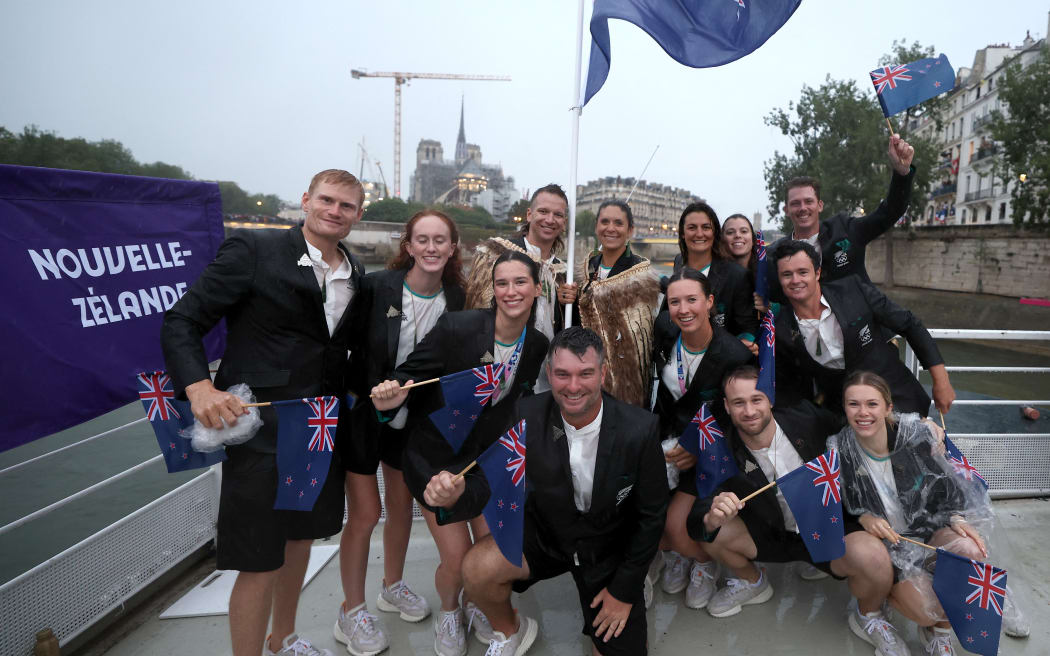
(399, 306)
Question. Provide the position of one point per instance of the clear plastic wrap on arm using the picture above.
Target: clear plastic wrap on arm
(212, 439)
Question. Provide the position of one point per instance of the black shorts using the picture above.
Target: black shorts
(364, 442)
(545, 564)
(776, 546)
(251, 534)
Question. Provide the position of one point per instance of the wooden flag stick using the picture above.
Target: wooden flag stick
(405, 387)
(890, 126)
(465, 470)
(758, 492)
(258, 405)
(942, 421)
(921, 544)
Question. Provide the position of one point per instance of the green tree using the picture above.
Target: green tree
(840, 137)
(585, 222)
(1023, 133)
(519, 208)
(391, 210)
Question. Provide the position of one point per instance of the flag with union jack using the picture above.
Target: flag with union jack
(814, 494)
(761, 264)
(306, 431)
(962, 465)
(504, 467)
(168, 416)
(704, 439)
(466, 394)
(973, 595)
(767, 359)
(905, 85)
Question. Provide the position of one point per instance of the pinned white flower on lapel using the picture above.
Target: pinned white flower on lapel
(305, 261)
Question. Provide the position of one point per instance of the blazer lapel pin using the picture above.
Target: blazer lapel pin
(750, 467)
(304, 261)
(558, 433)
(391, 313)
(487, 357)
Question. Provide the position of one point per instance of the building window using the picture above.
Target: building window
(1002, 212)
(964, 215)
(988, 215)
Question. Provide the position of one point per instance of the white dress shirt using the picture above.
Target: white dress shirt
(583, 452)
(823, 337)
(776, 460)
(335, 285)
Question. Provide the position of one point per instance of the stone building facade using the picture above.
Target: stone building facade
(655, 207)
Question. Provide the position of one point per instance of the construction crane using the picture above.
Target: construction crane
(403, 78)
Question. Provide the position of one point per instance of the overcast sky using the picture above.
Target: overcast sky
(260, 92)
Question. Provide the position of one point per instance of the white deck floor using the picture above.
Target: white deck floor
(802, 617)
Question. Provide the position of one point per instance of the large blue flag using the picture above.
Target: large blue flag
(767, 358)
(761, 262)
(961, 465)
(168, 416)
(704, 439)
(972, 595)
(696, 33)
(504, 467)
(906, 85)
(305, 441)
(814, 495)
(466, 393)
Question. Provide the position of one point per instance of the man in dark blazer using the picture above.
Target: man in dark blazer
(828, 330)
(842, 240)
(597, 494)
(767, 444)
(286, 297)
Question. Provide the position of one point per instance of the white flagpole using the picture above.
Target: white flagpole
(574, 155)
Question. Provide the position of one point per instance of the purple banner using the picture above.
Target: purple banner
(89, 263)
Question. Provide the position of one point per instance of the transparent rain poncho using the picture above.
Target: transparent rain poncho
(212, 439)
(916, 490)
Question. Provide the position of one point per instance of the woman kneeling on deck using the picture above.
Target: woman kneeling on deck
(896, 478)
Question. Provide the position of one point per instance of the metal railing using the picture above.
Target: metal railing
(1001, 466)
(978, 195)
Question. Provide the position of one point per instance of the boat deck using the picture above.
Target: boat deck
(802, 618)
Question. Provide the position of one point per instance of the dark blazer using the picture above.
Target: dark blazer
(626, 260)
(724, 353)
(844, 239)
(733, 289)
(927, 495)
(459, 341)
(620, 533)
(807, 427)
(277, 338)
(864, 314)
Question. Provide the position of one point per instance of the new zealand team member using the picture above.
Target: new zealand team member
(287, 296)
(691, 354)
(595, 505)
(828, 330)
(842, 240)
(767, 444)
(398, 307)
(459, 341)
(701, 248)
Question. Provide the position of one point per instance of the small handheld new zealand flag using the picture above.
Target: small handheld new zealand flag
(767, 358)
(814, 495)
(972, 595)
(168, 416)
(961, 465)
(466, 393)
(761, 283)
(305, 441)
(704, 439)
(504, 467)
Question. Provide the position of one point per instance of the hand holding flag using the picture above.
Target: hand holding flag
(168, 416)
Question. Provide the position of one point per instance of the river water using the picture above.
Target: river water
(38, 484)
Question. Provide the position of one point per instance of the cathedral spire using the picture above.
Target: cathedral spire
(461, 140)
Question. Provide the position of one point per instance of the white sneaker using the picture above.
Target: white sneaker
(449, 636)
(701, 588)
(808, 572)
(676, 576)
(477, 621)
(293, 645)
(657, 566)
(1015, 624)
(874, 629)
(938, 642)
(518, 643)
(360, 631)
(738, 593)
(399, 598)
